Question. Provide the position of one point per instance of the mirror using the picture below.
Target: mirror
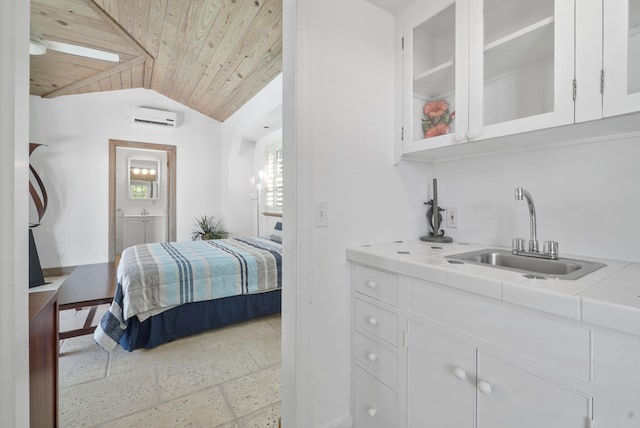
(142, 180)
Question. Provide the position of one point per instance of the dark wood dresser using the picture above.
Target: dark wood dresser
(43, 358)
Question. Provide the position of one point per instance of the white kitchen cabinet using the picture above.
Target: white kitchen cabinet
(440, 389)
(428, 355)
(143, 230)
(436, 75)
(508, 67)
(521, 55)
(621, 57)
(499, 64)
(453, 384)
(376, 338)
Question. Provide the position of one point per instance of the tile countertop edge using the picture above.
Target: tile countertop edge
(570, 299)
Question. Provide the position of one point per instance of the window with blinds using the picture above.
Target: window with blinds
(273, 178)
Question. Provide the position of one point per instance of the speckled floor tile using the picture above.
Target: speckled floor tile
(203, 409)
(96, 402)
(275, 321)
(263, 418)
(201, 369)
(236, 333)
(230, 425)
(254, 391)
(264, 350)
(124, 361)
(200, 381)
(80, 361)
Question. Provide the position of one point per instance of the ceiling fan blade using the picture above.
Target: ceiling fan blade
(81, 51)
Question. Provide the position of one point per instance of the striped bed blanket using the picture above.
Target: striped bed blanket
(152, 278)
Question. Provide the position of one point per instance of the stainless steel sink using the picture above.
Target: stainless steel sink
(560, 269)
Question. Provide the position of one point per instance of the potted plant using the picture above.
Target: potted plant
(207, 227)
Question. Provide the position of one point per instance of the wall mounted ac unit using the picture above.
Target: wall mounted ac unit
(154, 116)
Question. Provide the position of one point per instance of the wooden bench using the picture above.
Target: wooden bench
(87, 286)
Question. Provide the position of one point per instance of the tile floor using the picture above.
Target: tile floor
(225, 378)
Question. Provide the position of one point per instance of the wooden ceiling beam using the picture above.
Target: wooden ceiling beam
(148, 59)
(96, 77)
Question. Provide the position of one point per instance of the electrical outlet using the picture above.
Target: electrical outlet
(452, 217)
(322, 214)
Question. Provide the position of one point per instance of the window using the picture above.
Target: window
(138, 191)
(273, 178)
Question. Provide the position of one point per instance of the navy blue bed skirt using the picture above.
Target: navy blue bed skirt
(193, 318)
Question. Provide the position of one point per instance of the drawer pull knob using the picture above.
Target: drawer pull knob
(372, 321)
(372, 412)
(485, 387)
(460, 373)
(372, 284)
(372, 357)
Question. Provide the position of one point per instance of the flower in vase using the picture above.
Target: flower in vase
(435, 108)
(439, 129)
(437, 118)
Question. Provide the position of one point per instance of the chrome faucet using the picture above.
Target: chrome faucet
(550, 248)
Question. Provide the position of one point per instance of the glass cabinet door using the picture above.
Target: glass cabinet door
(621, 57)
(435, 78)
(521, 65)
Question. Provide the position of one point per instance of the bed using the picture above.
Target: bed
(170, 290)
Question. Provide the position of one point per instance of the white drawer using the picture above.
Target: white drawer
(379, 321)
(382, 360)
(375, 405)
(563, 346)
(377, 284)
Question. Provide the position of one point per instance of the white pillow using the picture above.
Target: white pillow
(276, 234)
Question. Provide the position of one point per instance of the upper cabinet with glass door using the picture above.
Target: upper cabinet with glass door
(522, 65)
(481, 69)
(435, 56)
(621, 57)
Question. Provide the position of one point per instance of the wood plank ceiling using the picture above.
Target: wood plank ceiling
(210, 55)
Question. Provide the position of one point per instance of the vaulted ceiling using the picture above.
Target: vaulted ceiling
(210, 55)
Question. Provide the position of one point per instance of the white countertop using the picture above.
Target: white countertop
(609, 297)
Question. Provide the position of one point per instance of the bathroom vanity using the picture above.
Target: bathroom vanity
(456, 344)
(143, 229)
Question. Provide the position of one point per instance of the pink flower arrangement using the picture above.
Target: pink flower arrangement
(437, 118)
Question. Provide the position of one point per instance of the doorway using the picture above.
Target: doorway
(169, 177)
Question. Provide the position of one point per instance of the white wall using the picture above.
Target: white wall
(238, 149)
(74, 167)
(587, 197)
(343, 155)
(14, 128)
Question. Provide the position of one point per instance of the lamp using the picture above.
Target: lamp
(256, 188)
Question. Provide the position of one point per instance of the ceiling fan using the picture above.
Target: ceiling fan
(39, 46)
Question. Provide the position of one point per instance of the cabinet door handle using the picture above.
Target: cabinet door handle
(485, 387)
(460, 136)
(473, 133)
(372, 284)
(460, 373)
(372, 412)
(372, 357)
(372, 321)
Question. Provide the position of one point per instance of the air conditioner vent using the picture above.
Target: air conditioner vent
(154, 116)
